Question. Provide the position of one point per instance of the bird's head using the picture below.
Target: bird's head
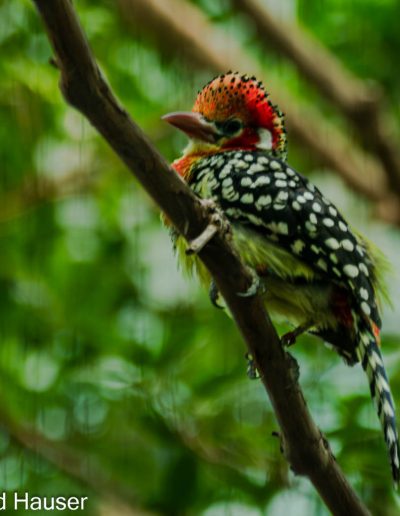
(232, 112)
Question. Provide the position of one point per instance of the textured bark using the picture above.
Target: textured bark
(84, 88)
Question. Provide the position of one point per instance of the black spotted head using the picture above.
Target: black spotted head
(233, 111)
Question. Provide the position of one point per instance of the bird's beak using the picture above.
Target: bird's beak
(193, 124)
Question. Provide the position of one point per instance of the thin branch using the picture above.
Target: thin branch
(84, 468)
(176, 24)
(361, 104)
(84, 88)
(40, 190)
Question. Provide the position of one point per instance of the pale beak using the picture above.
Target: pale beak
(193, 124)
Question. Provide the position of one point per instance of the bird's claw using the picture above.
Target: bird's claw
(217, 224)
(217, 216)
(288, 339)
(255, 287)
(214, 295)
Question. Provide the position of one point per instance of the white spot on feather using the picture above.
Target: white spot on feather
(328, 222)
(230, 195)
(333, 258)
(378, 360)
(298, 246)
(275, 165)
(263, 200)
(332, 243)
(366, 308)
(348, 245)
(247, 198)
(279, 227)
(255, 220)
(246, 181)
(381, 383)
(226, 182)
(350, 270)
(256, 167)
(262, 180)
(225, 171)
(360, 249)
(390, 436)
(282, 196)
(310, 227)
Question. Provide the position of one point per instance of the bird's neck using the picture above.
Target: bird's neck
(197, 150)
(194, 151)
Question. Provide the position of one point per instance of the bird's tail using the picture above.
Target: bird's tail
(370, 357)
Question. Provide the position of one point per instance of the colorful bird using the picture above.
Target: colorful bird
(318, 272)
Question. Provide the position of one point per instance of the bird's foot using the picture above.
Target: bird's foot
(217, 224)
(216, 215)
(252, 371)
(214, 295)
(289, 338)
(256, 286)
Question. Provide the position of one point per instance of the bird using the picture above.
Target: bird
(317, 271)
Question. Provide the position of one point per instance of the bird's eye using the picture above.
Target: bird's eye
(231, 127)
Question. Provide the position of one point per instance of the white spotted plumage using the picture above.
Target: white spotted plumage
(258, 184)
(260, 192)
(371, 360)
(315, 267)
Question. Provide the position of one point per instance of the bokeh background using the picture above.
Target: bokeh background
(118, 379)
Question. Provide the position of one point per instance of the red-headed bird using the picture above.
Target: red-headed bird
(318, 272)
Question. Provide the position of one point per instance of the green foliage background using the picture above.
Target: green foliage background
(105, 349)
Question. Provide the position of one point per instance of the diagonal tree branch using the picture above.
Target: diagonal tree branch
(85, 469)
(84, 88)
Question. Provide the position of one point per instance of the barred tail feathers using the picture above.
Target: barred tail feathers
(371, 359)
